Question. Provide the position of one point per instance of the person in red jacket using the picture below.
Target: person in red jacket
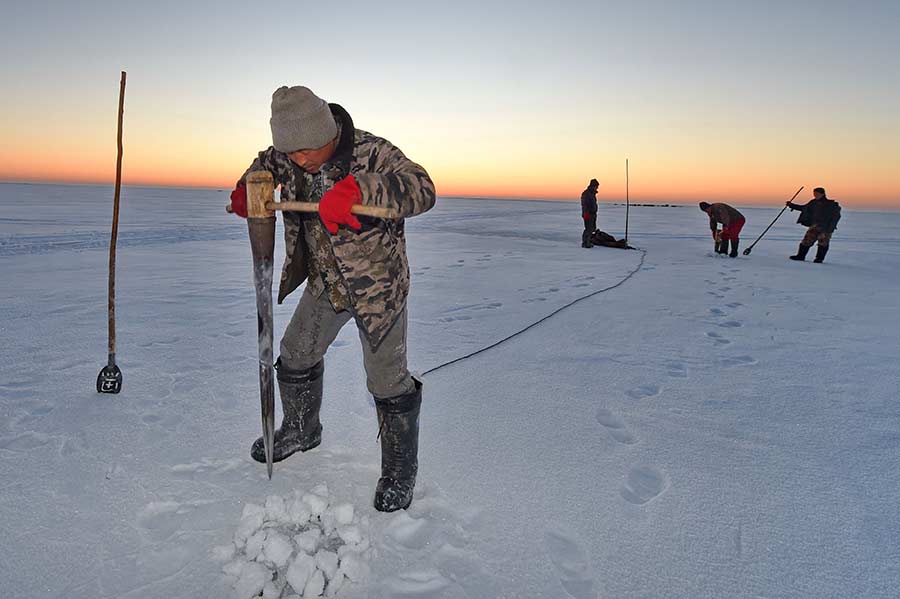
(732, 222)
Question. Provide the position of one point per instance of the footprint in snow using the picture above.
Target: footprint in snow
(734, 305)
(169, 421)
(454, 318)
(731, 324)
(571, 563)
(676, 370)
(724, 289)
(207, 467)
(161, 520)
(643, 392)
(717, 312)
(738, 361)
(643, 484)
(421, 581)
(718, 338)
(406, 532)
(616, 426)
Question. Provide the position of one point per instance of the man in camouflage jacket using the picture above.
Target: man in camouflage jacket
(353, 269)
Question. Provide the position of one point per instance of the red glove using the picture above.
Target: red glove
(239, 201)
(334, 207)
(586, 216)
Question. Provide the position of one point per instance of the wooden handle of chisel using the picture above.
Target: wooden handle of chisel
(310, 207)
(261, 187)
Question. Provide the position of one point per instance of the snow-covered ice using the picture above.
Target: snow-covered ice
(709, 428)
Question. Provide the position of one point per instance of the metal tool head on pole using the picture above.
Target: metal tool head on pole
(261, 228)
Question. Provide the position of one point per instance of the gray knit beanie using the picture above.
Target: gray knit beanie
(300, 120)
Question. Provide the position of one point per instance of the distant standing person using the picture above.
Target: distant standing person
(732, 222)
(821, 215)
(589, 212)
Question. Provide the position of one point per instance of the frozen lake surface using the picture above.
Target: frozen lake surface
(711, 427)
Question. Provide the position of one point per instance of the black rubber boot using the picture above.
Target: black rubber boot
(398, 423)
(734, 247)
(301, 399)
(820, 254)
(801, 253)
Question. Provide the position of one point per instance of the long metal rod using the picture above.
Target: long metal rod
(747, 251)
(262, 245)
(261, 228)
(111, 306)
(627, 201)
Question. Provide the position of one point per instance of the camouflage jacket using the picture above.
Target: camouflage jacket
(371, 263)
(723, 213)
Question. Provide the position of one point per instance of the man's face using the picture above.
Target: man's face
(818, 195)
(312, 160)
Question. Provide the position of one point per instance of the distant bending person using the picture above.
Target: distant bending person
(732, 222)
(821, 215)
(589, 212)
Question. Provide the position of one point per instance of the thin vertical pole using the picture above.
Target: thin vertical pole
(627, 201)
(115, 231)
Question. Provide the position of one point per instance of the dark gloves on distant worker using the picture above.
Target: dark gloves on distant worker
(335, 205)
(239, 200)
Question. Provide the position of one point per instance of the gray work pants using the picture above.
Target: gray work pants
(315, 325)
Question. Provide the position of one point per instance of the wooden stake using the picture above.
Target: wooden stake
(115, 228)
(110, 378)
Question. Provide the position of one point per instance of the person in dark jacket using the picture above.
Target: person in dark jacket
(589, 212)
(821, 215)
(732, 222)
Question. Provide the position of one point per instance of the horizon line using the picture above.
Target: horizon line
(656, 202)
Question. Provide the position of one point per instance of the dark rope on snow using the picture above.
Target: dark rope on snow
(544, 319)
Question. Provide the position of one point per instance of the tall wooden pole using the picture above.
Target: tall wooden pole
(110, 378)
(115, 227)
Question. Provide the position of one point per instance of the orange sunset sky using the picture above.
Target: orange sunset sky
(706, 101)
